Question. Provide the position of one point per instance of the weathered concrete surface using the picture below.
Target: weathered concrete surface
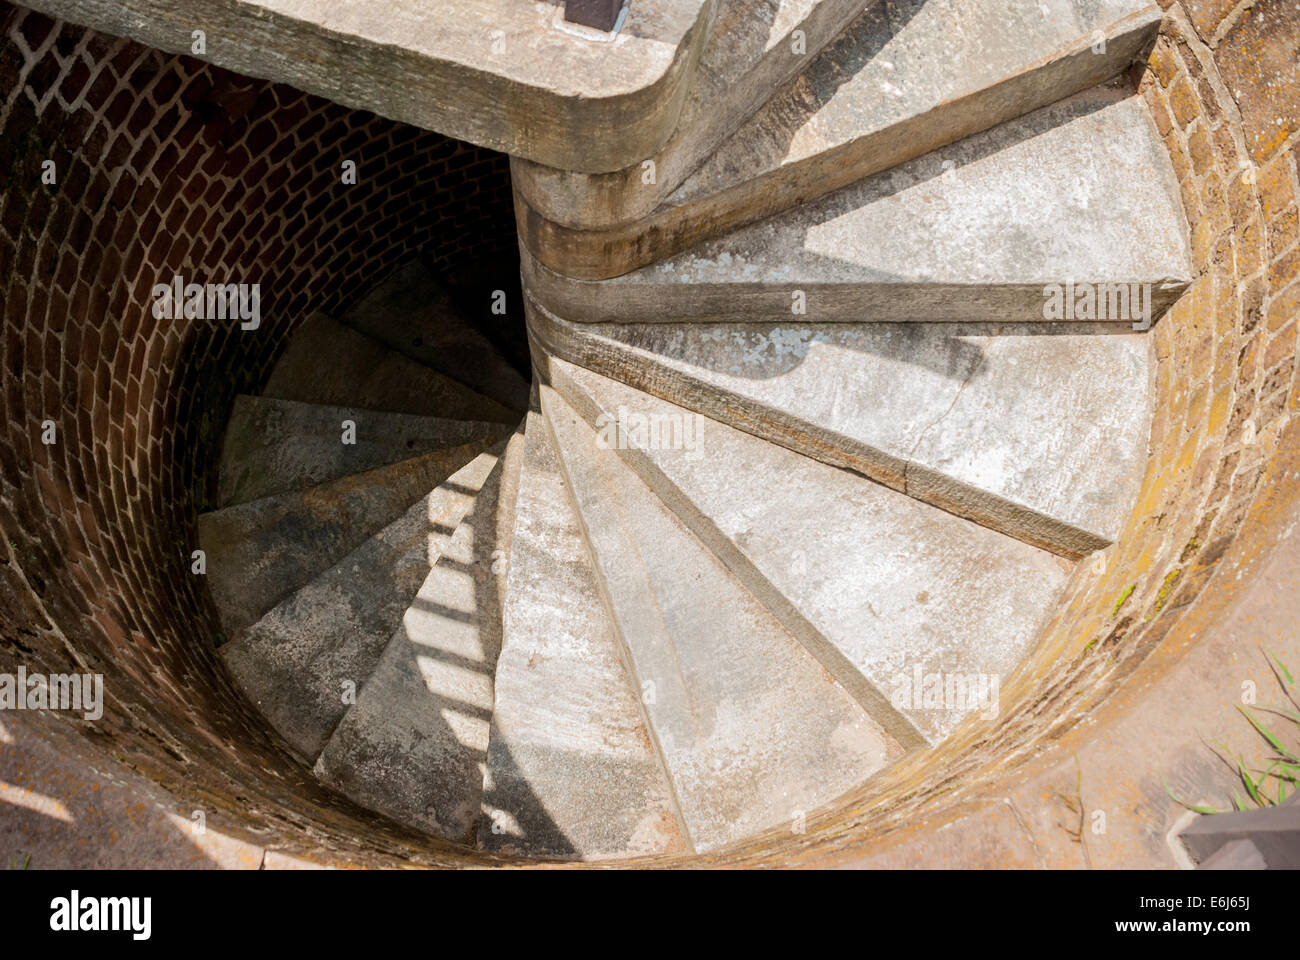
(1080, 191)
(415, 745)
(327, 362)
(1029, 429)
(411, 314)
(906, 79)
(505, 74)
(293, 663)
(752, 731)
(571, 772)
(752, 50)
(878, 586)
(274, 446)
(260, 552)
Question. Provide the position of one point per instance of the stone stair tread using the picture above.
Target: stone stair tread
(750, 52)
(415, 744)
(412, 314)
(571, 772)
(904, 79)
(274, 446)
(293, 662)
(1036, 430)
(878, 585)
(260, 552)
(329, 363)
(753, 731)
(1079, 191)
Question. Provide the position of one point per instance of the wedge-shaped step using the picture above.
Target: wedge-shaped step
(571, 770)
(327, 362)
(901, 602)
(753, 731)
(260, 552)
(1036, 430)
(754, 47)
(303, 663)
(988, 228)
(905, 79)
(411, 314)
(415, 745)
(273, 446)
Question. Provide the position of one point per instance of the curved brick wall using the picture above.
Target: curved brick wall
(168, 164)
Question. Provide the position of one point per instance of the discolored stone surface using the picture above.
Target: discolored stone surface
(274, 446)
(411, 314)
(293, 663)
(260, 552)
(415, 744)
(329, 363)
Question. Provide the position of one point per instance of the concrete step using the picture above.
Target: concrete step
(294, 662)
(906, 78)
(415, 745)
(412, 314)
(274, 446)
(1036, 430)
(753, 731)
(981, 230)
(504, 74)
(881, 588)
(754, 48)
(571, 772)
(260, 552)
(327, 362)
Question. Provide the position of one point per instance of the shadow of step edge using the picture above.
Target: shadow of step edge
(414, 746)
(274, 446)
(956, 67)
(412, 314)
(754, 48)
(982, 230)
(571, 773)
(753, 732)
(258, 553)
(294, 662)
(878, 587)
(1030, 430)
(329, 363)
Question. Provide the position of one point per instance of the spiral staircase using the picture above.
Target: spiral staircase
(800, 434)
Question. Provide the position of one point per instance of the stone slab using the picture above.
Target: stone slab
(258, 553)
(1078, 192)
(412, 314)
(1036, 430)
(414, 747)
(506, 74)
(878, 586)
(905, 79)
(274, 446)
(329, 363)
(293, 662)
(571, 770)
(753, 732)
